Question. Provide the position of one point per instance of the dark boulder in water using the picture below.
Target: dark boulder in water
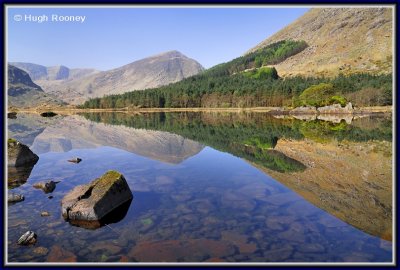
(75, 160)
(92, 202)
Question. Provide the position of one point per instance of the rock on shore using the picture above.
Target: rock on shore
(304, 110)
(331, 109)
(336, 109)
(95, 200)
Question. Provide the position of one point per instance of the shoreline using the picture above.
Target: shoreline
(272, 110)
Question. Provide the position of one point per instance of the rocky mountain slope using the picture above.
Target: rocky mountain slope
(23, 92)
(76, 85)
(347, 40)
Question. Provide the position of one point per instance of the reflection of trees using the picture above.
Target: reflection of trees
(324, 131)
(250, 136)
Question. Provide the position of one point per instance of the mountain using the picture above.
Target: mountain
(42, 73)
(23, 92)
(76, 85)
(347, 40)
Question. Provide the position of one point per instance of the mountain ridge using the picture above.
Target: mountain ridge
(153, 71)
(341, 40)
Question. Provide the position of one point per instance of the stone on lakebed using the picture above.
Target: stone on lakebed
(93, 201)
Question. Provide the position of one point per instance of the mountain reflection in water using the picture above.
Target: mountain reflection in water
(235, 187)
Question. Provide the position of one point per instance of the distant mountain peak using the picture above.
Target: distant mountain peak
(172, 53)
(58, 72)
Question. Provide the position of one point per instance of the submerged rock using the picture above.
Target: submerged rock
(12, 198)
(58, 254)
(75, 160)
(94, 201)
(41, 251)
(27, 238)
(47, 187)
(19, 154)
(45, 214)
(175, 250)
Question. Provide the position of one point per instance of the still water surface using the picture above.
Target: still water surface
(210, 188)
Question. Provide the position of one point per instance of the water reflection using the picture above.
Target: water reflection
(18, 176)
(72, 132)
(341, 168)
(217, 203)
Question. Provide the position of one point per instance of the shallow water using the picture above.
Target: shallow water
(203, 189)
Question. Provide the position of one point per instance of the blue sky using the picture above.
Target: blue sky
(112, 37)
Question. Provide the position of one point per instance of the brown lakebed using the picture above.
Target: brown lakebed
(211, 187)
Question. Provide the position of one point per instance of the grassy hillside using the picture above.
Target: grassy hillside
(341, 40)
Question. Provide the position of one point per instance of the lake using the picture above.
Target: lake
(209, 187)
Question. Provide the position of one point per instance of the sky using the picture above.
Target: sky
(112, 37)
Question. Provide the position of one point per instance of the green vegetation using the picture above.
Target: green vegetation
(261, 142)
(269, 55)
(262, 73)
(241, 91)
(246, 81)
(319, 95)
(316, 95)
(277, 52)
(232, 84)
(338, 100)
